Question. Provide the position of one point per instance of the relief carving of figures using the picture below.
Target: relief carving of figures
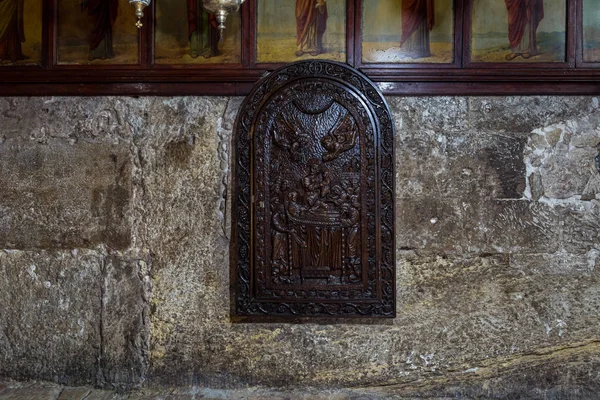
(315, 223)
(340, 139)
(316, 184)
(314, 213)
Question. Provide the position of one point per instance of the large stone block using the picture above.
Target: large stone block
(61, 195)
(477, 225)
(525, 113)
(50, 315)
(437, 114)
(560, 160)
(460, 165)
(580, 226)
(125, 323)
(40, 119)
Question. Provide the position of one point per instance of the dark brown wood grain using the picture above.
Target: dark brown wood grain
(313, 209)
(574, 76)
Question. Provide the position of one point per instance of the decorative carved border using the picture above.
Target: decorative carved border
(380, 220)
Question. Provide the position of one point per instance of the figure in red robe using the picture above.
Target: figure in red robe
(311, 23)
(11, 30)
(102, 15)
(203, 31)
(524, 17)
(418, 19)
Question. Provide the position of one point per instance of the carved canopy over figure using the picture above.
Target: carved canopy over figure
(203, 32)
(418, 19)
(311, 23)
(11, 30)
(524, 17)
(102, 14)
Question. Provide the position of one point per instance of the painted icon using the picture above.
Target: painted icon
(408, 31)
(96, 32)
(591, 30)
(519, 31)
(187, 34)
(20, 32)
(311, 29)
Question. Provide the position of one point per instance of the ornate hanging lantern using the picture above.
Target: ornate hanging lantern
(222, 8)
(139, 10)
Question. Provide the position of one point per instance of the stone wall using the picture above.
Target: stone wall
(114, 223)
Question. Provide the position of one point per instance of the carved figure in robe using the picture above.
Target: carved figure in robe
(11, 30)
(418, 19)
(290, 138)
(203, 31)
(279, 242)
(350, 219)
(297, 243)
(316, 184)
(102, 15)
(524, 17)
(311, 23)
(339, 139)
(282, 232)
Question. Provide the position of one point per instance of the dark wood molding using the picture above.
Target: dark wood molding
(573, 76)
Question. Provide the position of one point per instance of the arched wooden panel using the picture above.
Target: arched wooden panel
(313, 213)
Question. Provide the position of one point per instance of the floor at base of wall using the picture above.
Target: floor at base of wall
(11, 390)
(48, 391)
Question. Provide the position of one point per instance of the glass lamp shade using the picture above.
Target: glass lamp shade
(139, 10)
(222, 8)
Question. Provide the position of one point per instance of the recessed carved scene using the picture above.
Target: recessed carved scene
(185, 33)
(591, 30)
(519, 31)
(308, 29)
(314, 197)
(408, 31)
(319, 191)
(96, 32)
(20, 32)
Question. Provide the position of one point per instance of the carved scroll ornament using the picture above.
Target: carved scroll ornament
(313, 213)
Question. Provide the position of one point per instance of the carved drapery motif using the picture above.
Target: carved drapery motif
(313, 215)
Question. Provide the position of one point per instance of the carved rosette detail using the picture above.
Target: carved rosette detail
(313, 212)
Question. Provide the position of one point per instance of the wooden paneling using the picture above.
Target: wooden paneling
(461, 76)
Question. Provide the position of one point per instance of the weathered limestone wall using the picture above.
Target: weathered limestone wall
(114, 225)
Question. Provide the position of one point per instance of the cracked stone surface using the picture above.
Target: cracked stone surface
(114, 220)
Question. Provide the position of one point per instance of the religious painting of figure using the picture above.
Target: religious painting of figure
(20, 32)
(591, 30)
(308, 29)
(519, 31)
(102, 15)
(408, 31)
(96, 32)
(311, 24)
(185, 33)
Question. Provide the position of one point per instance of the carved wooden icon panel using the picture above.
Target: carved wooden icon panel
(313, 205)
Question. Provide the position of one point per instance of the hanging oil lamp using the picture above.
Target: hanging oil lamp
(221, 9)
(139, 6)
